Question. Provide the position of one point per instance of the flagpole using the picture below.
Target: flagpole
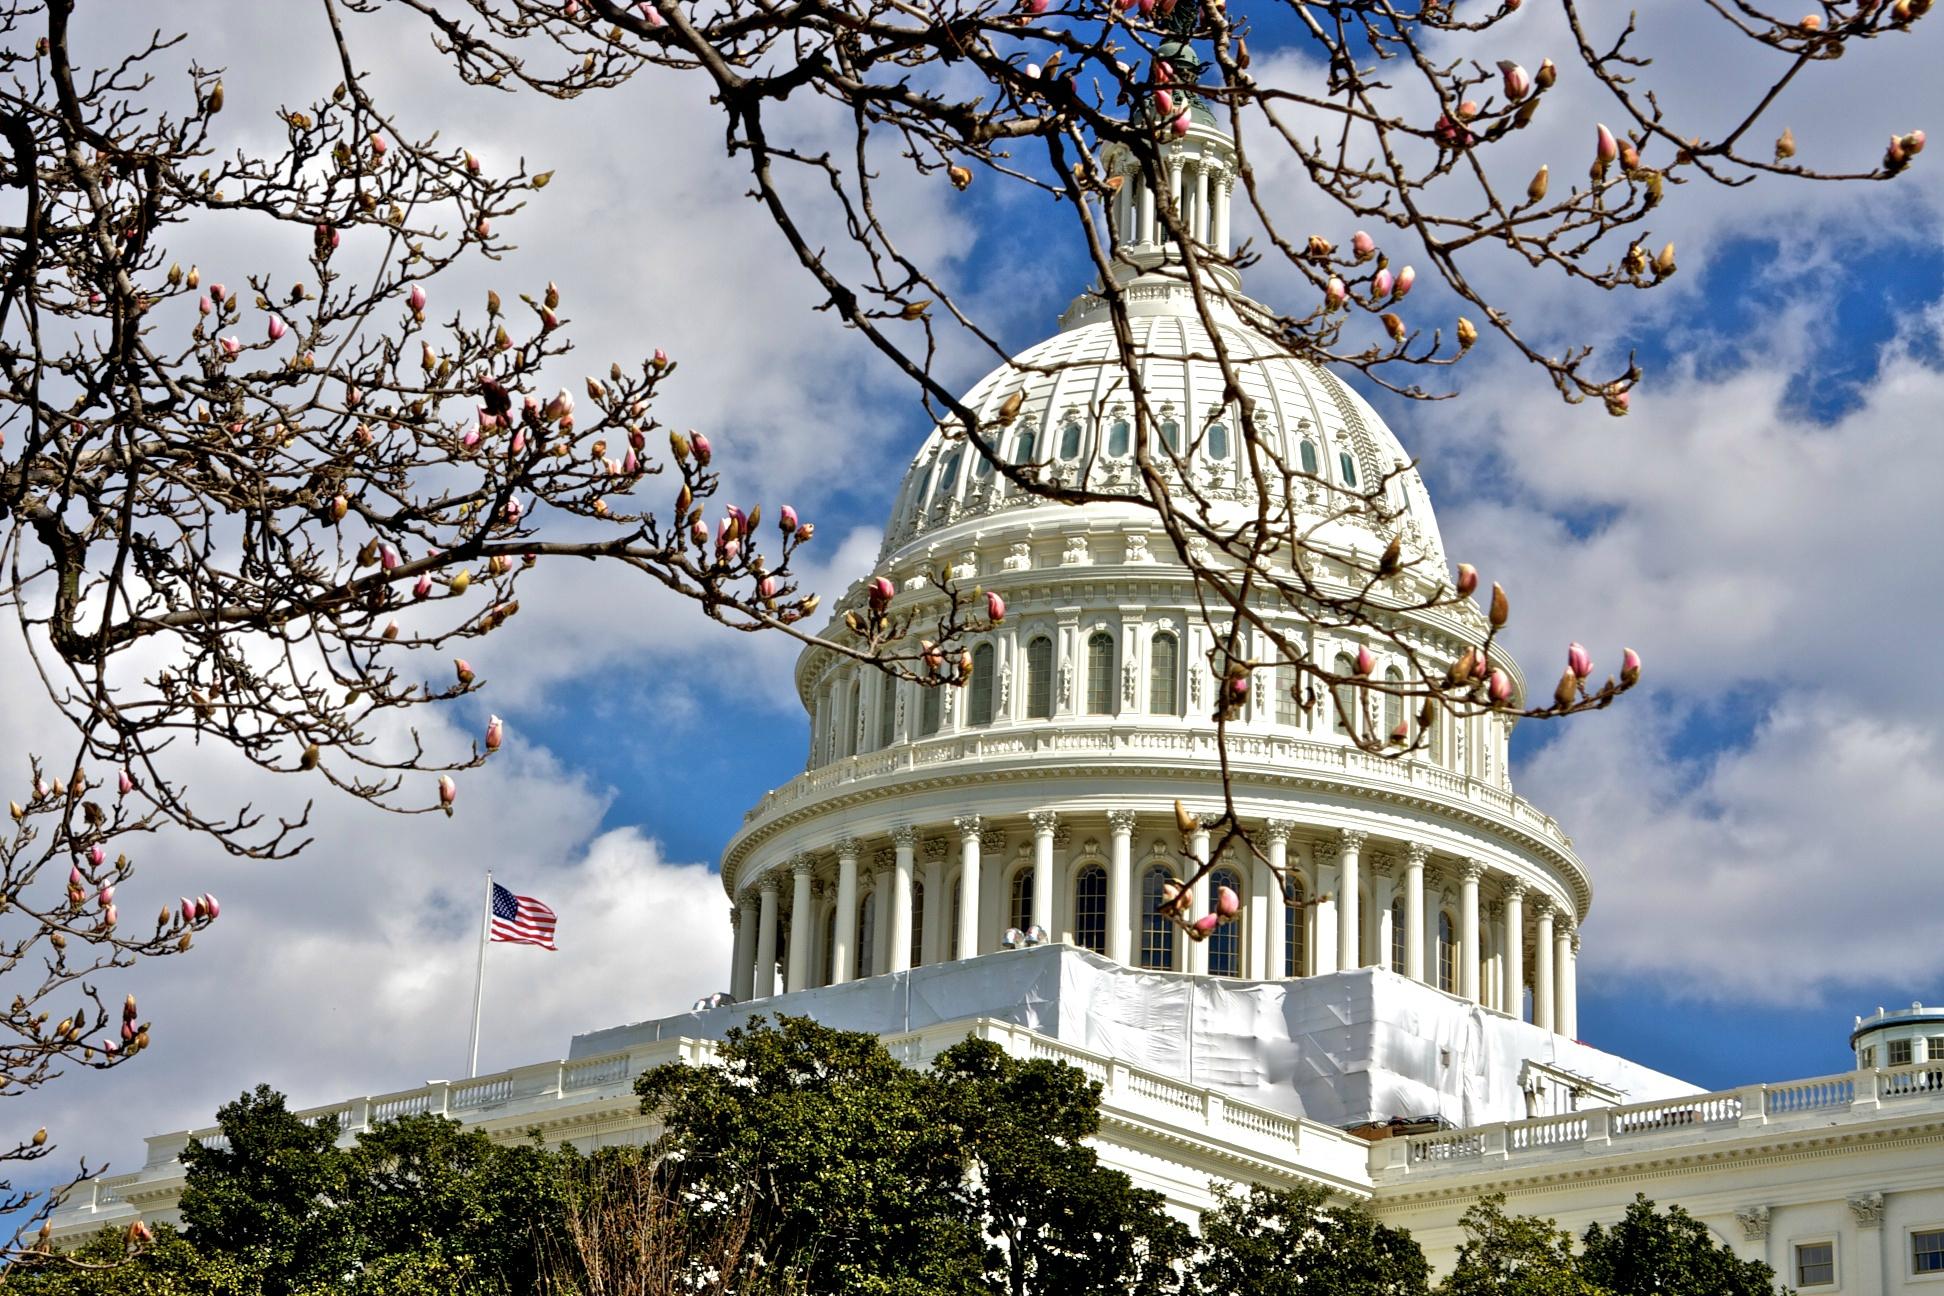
(479, 976)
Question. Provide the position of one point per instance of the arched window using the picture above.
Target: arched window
(1397, 934)
(1070, 440)
(1308, 453)
(1343, 697)
(1021, 911)
(1090, 909)
(1100, 674)
(1447, 961)
(1164, 670)
(1225, 943)
(866, 936)
(830, 947)
(917, 923)
(1349, 467)
(1157, 932)
(1039, 678)
(1171, 435)
(1295, 948)
(1218, 446)
(979, 712)
(1289, 708)
(930, 710)
(1120, 437)
(949, 478)
(887, 712)
(1394, 707)
(1023, 445)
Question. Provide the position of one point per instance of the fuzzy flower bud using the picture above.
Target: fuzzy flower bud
(1405, 278)
(995, 607)
(1499, 687)
(1517, 83)
(1467, 579)
(1579, 661)
(1363, 245)
(277, 328)
(448, 793)
(702, 451)
(417, 298)
(1366, 663)
(463, 670)
(495, 733)
(1629, 667)
(786, 519)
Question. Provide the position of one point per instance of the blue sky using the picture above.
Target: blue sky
(1759, 821)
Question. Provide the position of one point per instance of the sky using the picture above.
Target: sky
(1760, 819)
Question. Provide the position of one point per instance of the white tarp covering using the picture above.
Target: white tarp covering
(1339, 1049)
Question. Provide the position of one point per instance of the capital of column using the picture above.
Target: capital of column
(803, 865)
(1045, 822)
(968, 825)
(1382, 865)
(1514, 890)
(770, 882)
(846, 848)
(1471, 870)
(904, 835)
(1277, 830)
(1122, 822)
(735, 917)
(1576, 940)
(1351, 840)
(1416, 853)
(1541, 906)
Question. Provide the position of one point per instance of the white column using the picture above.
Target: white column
(969, 888)
(1514, 942)
(881, 929)
(745, 973)
(1414, 857)
(765, 978)
(1349, 927)
(905, 840)
(1383, 892)
(803, 924)
(1275, 948)
(739, 948)
(1565, 1011)
(1223, 193)
(1146, 232)
(1469, 871)
(1120, 887)
(1322, 917)
(1045, 824)
(1542, 963)
(1569, 1012)
(1202, 227)
(938, 905)
(843, 945)
(1198, 898)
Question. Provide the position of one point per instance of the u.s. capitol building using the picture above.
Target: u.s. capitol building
(1394, 1011)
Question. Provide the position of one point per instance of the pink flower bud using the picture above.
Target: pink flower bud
(423, 586)
(1578, 660)
(232, 347)
(277, 328)
(630, 465)
(75, 879)
(472, 163)
(203, 306)
(699, 533)
(188, 909)
(1334, 295)
(1405, 278)
(1499, 689)
(1227, 903)
(786, 519)
(766, 588)
(1366, 663)
(388, 558)
(1381, 285)
(513, 510)
(417, 297)
(519, 441)
(483, 227)
(377, 144)
(559, 407)
(471, 439)
(210, 907)
(1467, 579)
(650, 14)
(495, 733)
(732, 551)
(96, 855)
(124, 782)
(724, 530)
(107, 896)
(700, 444)
(1517, 83)
(882, 591)
(1205, 924)
(995, 607)
(463, 669)
(1629, 666)
(216, 292)
(1363, 245)
(448, 793)
(661, 358)
(1179, 125)
(109, 1047)
(127, 1031)
(1239, 686)
(548, 320)
(1163, 102)
(1605, 148)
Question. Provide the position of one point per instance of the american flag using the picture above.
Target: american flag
(521, 920)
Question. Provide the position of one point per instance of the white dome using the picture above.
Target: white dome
(1077, 419)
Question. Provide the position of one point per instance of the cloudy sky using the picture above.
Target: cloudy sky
(1761, 821)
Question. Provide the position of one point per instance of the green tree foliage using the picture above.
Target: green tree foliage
(1514, 1255)
(1650, 1253)
(1281, 1242)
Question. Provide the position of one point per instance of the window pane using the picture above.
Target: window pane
(952, 931)
(950, 477)
(981, 466)
(830, 947)
(1120, 438)
(1349, 467)
(1900, 1052)
(1288, 710)
(1295, 954)
(1023, 446)
(982, 671)
(1869, 1056)
(1393, 704)
(866, 934)
(1164, 664)
(887, 712)
(1100, 674)
(1022, 899)
(1397, 937)
(1225, 943)
(1927, 1251)
(1446, 981)
(917, 922)
(1171, 436)
(1309, 458)
(1815, 1264)
(1157, 933)
(1090, 910)
(1070, 441)
(930, 709)
(1039, 679)
(1218, 446)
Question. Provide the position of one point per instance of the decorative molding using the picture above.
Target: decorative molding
(848, 846)
(1277, 830)
(1470, 870)
(967, 825)
(1075, 554)
(1044, 822)
(937, 848)
(1062, 835)
(904, 835)
(1351, 839)
(1137, 549)
(770, 883)
(1122, 822)
(992, 839)
(1867, 1210)
(1130, 682)
(1754, 1221)
(1066, 683)
(1021, 557)
(883, 858)
(1514, 889)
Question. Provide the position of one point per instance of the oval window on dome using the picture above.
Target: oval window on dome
(1309, 457)
(948, 479)
(1171, 436)
(1070, 440)
(1023, 446)
(1119, 438)
(1218, 441)
(1349, 467)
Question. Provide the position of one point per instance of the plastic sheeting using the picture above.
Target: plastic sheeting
(1340, 1049)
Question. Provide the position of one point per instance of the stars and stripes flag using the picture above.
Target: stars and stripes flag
(521, 920)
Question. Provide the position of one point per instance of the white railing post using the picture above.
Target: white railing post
(1754, 1105)
(1599, 1127)
(1866, 1097)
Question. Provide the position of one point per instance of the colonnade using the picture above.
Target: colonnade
(1467, 926)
